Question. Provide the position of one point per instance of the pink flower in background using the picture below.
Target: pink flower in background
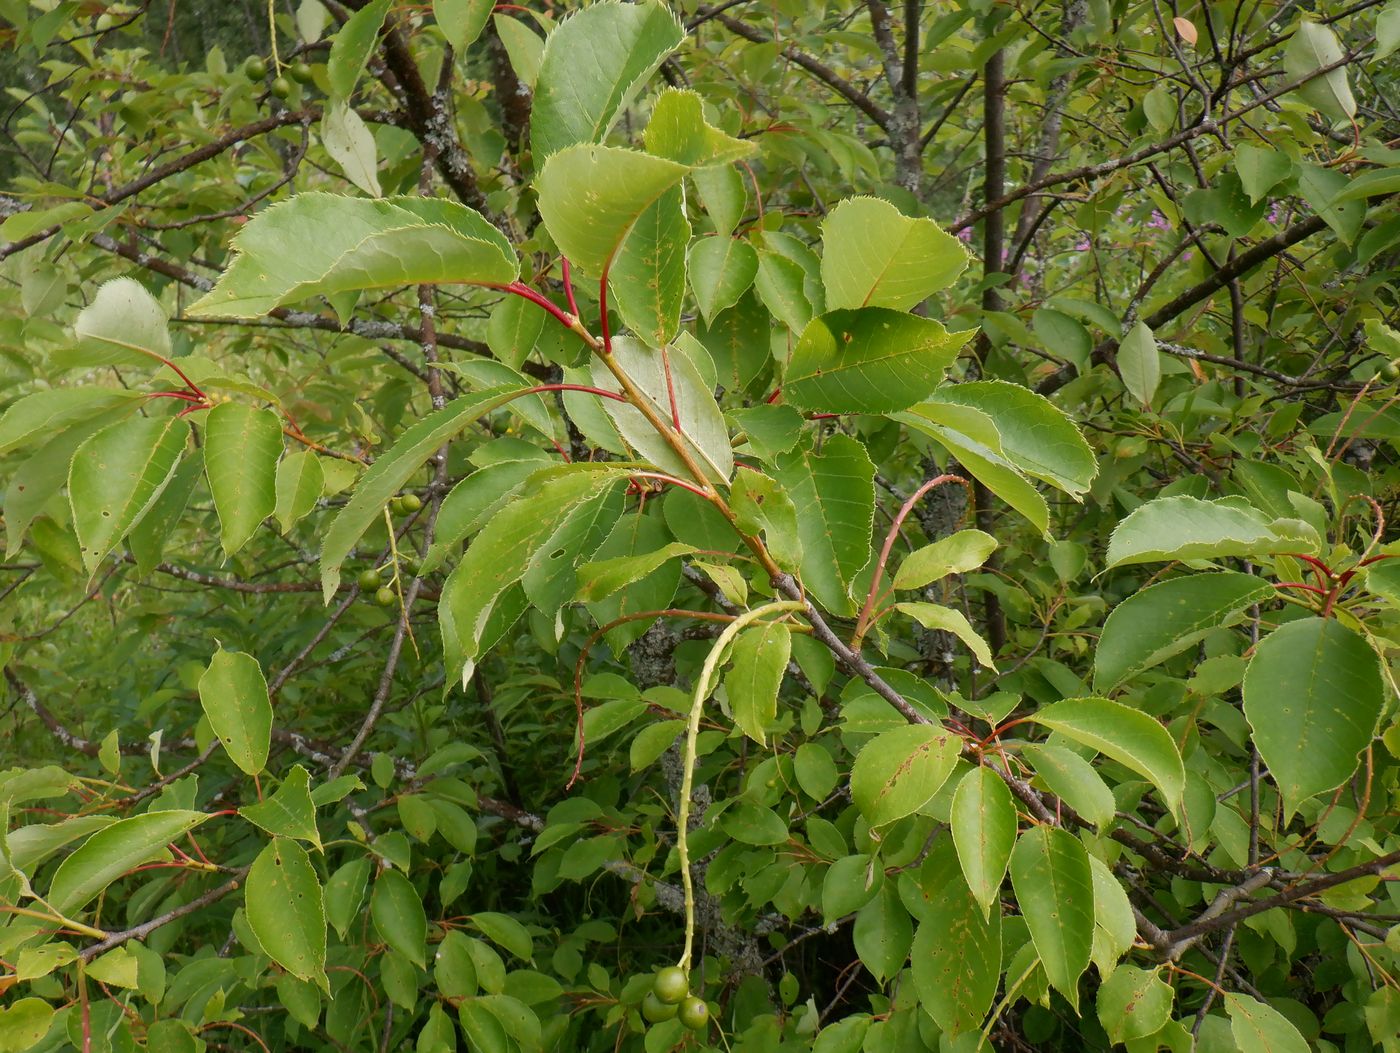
(1157, 221)
(1273, 216)
(1083, 245)
(965, 235)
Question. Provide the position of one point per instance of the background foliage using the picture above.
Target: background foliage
(885, 508)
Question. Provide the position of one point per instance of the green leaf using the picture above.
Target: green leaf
(392, 469)
(869, 360)
(723, 195)
(1181, 527)
(461, 21)
(115, 477)
(605, 577)
(112, 852)
(148, 535)
(945, 619)
(1134, 1003)
(782, 286)
(761, 505)
(1159, 106)
(1313, 694)
(41, 415)
(1115, 928)
(956, 554)
(298, 487)
(351, 47)
(873, 256)
(22, 225)
(289, 812)
(659, 375)
(551, 575)
(722, 269)
(770, 430)
(345, 893)
(971, 436)
(760, 657)
(1063, 336)
(116, 968)
(1139, 363)
(590, 197)
(1129, 736)
(317, 244)
(23, 1024)
(956, 958)
(983, 820)
(241, 447)
(648, 276)
(124, 325)
(523, 46)
(351, 145)
(1312, 47)
(634, 534)
(514, 329)
(835, 488)
(1324, 190)
(1035, 434)
(286, 910)
(437, 1034)
(679, 131)
(577, 97)
(1261, 169)
(501, 553)
(1387, 37)
(39, 478)
(882, 933)
(843, 1036)
(505, 931)
(1375, 183)
(898, 772)
(1165, 619)
(1073, 779)
(1260, 1028)
(234, 696)
(1055, 889)
(398, 916)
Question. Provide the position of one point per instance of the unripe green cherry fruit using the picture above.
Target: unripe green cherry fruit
(281, 87)
(654, 1010)
(255, 68)
(1390, 371)
(385, 596)
(694, 1013)
(369, 579)
(671, 985)
(301, 73)
(410, 503)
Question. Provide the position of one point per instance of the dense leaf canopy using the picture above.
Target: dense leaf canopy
(755, 527)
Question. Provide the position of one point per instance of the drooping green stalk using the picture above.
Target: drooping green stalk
(703, 686)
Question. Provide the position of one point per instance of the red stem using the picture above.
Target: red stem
(569, 286)
(575, 387)
(1317, 564)
(174, 395)
(1300, 585)
(524, 291)
(673, 481)
(864, 620)
(181, 374)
